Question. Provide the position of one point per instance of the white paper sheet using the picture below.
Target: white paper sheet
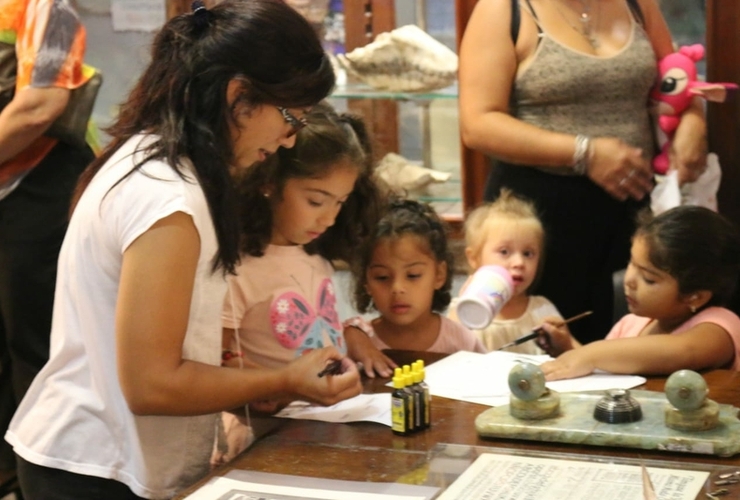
(484, 378)
(531, 478)
(466, 376)
(364, 407)
(251, 485)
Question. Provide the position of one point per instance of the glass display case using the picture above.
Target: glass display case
(428, 136)
(420, 126)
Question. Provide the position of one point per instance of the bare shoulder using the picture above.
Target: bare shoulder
(490, 15)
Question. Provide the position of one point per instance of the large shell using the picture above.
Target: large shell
(403, 60)
(400, 173)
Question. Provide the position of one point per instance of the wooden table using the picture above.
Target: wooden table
(365, 451)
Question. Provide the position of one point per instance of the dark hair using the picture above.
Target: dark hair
(698, 247)
(182, 95)
(403, 218)
(328, 138)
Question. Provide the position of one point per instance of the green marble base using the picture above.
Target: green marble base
(575, 424)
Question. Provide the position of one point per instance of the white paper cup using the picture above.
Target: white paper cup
(489, 289)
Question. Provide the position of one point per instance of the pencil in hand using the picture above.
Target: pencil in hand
(537, 331)
(333, 368)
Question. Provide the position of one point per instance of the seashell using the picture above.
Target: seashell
(406, 59)
(400, 173)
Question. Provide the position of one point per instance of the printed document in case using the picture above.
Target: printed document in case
(507, 477)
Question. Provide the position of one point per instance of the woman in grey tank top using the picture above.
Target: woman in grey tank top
(556, 92)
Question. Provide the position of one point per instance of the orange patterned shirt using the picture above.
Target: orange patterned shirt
(49, 46)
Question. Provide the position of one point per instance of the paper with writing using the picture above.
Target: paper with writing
(531, 478)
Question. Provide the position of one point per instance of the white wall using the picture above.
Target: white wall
(120, 56)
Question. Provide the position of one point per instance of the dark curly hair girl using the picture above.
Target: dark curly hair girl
(407, 217)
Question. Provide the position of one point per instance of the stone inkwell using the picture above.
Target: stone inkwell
(617, 407)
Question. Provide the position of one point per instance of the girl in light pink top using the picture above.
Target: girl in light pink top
(683, 269)
(301, 208)
(405, 274)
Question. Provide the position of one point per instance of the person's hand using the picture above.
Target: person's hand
(688, 150)
(303, 380)
(570, 364)
(555, 337)
(362, 350)
(619, 169)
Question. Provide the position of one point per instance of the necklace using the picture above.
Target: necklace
(585, 19)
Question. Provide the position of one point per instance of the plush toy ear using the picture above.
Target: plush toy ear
(714, 92)
(694, 52)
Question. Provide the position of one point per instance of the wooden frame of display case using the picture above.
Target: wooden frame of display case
(363, 21)
(723, 120)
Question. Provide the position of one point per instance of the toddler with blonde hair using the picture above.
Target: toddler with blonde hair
(508, 233)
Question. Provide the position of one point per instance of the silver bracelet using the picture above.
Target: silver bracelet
(581, 154)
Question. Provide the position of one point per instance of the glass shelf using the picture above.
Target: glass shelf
(445, 197)
(364, 91)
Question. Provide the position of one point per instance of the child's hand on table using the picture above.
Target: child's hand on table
(362, 350)
(570, 364)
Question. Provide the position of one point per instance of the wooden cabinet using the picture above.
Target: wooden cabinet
(474, 165)
(363, 21)
(723, 65)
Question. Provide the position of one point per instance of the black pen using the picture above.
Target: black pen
(333, 368)
(537, 331)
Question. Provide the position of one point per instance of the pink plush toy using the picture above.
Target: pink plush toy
(676, 88)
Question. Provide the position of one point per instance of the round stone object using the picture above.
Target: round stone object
(526, 381)
(686, 390)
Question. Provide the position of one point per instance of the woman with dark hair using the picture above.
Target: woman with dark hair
(126, 406)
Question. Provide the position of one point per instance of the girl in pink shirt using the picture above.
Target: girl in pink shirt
(405, 274)
(301, 208)
(683, 269)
